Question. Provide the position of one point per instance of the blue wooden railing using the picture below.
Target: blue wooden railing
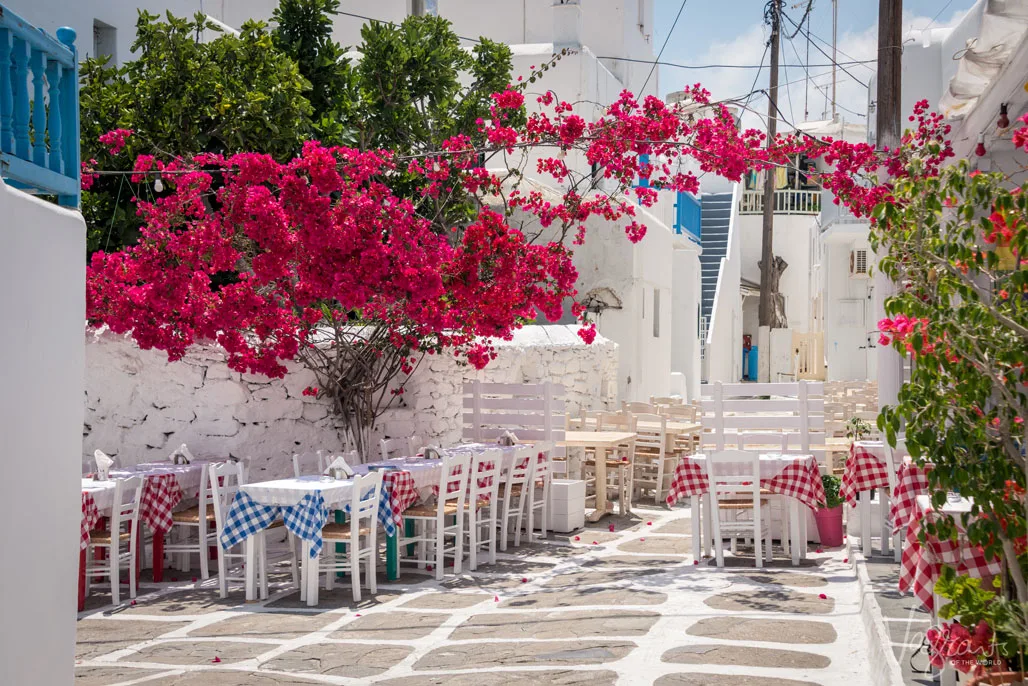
(688, 216)
(39, 109)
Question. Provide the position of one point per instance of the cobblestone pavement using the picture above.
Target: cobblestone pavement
(594, 607)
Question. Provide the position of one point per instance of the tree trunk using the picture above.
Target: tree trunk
(778, 318)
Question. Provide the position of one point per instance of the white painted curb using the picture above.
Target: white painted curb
(885, 668)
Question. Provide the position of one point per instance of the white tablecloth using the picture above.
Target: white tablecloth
(102, 492)
(771, 465)
(287, 492)
(426, 473)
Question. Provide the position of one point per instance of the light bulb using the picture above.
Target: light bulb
(980, 148)
(158, 185)
(1003, 121)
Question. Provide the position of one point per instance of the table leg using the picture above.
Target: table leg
(312, 577)
(409, 530)
(601, 485)
(82, 579)
(865, 523)
(340, 547)
(250, 548)
(797, 540)
(695, 505)
(138, 531)
(158, 556)
(393, 556)
(707, 515)
(884, 517)
(100, 553)
(802, 542)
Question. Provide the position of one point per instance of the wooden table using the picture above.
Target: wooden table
(602, 442)
(674, 429)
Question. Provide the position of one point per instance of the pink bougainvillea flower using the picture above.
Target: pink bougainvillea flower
(610, 527)
(216, 659)
(822, 596)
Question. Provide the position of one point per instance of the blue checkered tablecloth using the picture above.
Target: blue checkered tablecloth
(305, 519)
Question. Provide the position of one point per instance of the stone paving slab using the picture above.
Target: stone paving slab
(797, 579)
(391, 626)
(771, 601)
(446, 601)
(623, 561)
(746, 561)
(230, 678)
(675, 526)
(567, 677)
(277, 625)
(713, 654)
(542, 625)
(105, 676)
(599, 577)
(96, 637)
(356, 661)
(698, 679)
(338, 597)
(666, 545)
(186, 602)
(585, 596)
(490, 584)
(796, 631)
(186, 652)
(545, 653)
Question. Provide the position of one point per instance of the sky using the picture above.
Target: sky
(733, 32)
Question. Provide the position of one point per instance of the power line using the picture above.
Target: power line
(666, 39)
(810, 34)
(392, 23)
(936, 17)
(725, 66)
(818, 48)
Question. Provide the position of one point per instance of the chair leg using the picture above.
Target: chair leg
(520, 519)
(758, 552)
(423, 525)
(897, 546)
(205, 571)
(719, 544)
(440, 548)
(294, 566)
(355, 565)
(115, 568)
(458, 546)
(491, 530)
(372, 572)
(473, 530)
(504, 523)
(222, 573)
(133, 557)
(329, 551)
(262, 562)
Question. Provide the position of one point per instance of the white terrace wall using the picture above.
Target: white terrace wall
(139, 406)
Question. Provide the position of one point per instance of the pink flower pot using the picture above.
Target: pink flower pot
(829, 526)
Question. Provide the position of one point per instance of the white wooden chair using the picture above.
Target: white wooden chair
(483, 505)
(399, 447)
(652, 467)
(193, 530)
(512, 493)
(309, 463)
(121, 541)
(893, 458)
(619, 465)
(363, 523)
(538, 498)
(769, 442)
(638, 408)
(734, 479)
(430, 520)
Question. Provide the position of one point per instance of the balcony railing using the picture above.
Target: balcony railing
(787, 201)
(39, 109)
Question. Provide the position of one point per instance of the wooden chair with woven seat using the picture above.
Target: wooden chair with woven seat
(362, 524)
(195, 530)
(512, 493)
(124, 521)
(483, 504)
(734, 486)
(430, 527)
(619, 467)
(638, 408)
(652, 467)
(768, 442)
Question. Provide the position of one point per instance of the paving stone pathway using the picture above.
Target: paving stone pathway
(591, 608)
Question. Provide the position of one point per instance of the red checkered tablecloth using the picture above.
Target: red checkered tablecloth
(402, 493)
(90, 516)
(161, 493)
(864, 471)
(911, 481)
(920, 565)
(799, 479)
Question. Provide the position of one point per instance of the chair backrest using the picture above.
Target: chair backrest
(225, 479)
(687, 413)
(666, 400)
(534, 412)
(364, 500)
(304, 463)
(893, 458)
(651, 434)
(453, 481)
(522, 468)
(733, 473)
(399, 447)
(764, 442)
(637, 407)
(616, 421)
(794, 407)
(128, 493)
(485, 475)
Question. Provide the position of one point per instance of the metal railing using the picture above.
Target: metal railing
(39, 109)
(787, 201)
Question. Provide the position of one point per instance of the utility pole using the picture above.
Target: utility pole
(835, 51)
(888, 127)
(766, 313)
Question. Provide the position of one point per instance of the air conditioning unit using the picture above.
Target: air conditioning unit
(858, 264)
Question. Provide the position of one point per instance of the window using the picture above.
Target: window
(105, 41)
(656, 313)
(421, 8)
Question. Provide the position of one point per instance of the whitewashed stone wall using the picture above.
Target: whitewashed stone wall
(139, 406)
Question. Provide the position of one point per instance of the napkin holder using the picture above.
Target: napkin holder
(103, 466)
(432, 453)
(181, 455)
(339, 470)
(507, 439)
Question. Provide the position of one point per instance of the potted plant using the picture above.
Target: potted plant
(829, 516)
(857, 429)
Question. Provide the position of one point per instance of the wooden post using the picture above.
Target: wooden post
(766, 308)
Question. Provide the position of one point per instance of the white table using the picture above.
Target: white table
(427, 472)
(284, 493)
(186, 475)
